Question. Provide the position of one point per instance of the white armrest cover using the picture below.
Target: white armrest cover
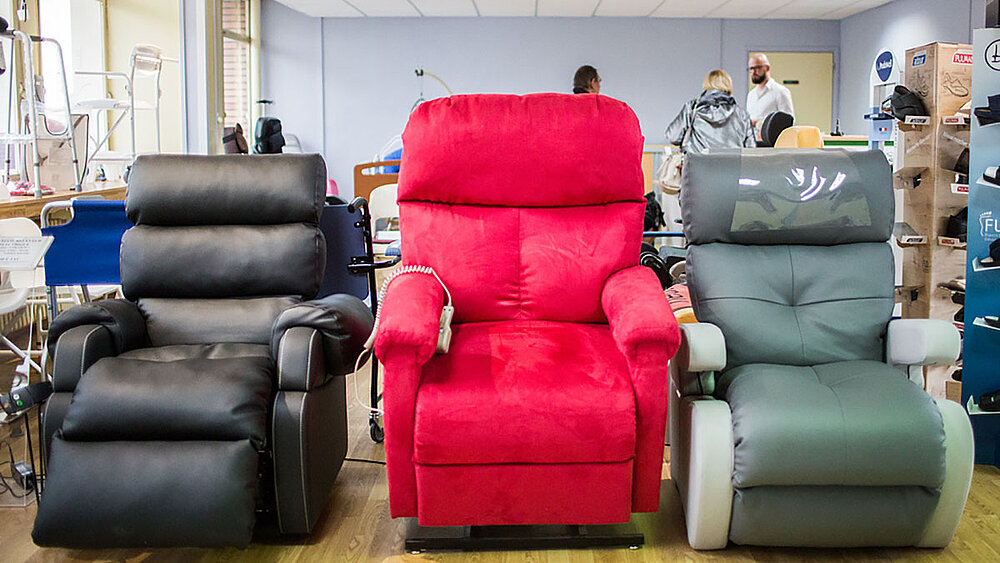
(922, 342)
(702, 352)
(703, 347)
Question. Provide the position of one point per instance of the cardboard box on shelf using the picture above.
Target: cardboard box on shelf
(948, 65)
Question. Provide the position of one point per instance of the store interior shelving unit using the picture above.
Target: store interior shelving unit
(941, 74)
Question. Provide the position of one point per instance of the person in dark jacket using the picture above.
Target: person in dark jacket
(586, 80)
(713, 120)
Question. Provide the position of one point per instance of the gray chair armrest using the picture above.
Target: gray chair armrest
(702, 353)
(122, 319)
(343, 323)
(922, 342)
(76, 350)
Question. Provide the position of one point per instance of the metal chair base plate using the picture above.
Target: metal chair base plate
(506, 538)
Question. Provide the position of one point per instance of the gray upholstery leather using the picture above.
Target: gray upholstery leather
(222, 261)
(831, 516)
(142, 494)
(798, 305)
(225, 190)
(789, 258)
(222, 399)
(846, 423)
(206, 321)
(755, 196)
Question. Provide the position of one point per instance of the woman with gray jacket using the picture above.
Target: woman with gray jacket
(712, 120)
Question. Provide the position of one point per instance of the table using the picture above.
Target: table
(31, 207)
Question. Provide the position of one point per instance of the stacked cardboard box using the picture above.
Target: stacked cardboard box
(941, 74)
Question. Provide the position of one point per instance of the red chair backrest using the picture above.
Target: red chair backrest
(524, 205)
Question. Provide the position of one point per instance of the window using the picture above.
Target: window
(236, 54)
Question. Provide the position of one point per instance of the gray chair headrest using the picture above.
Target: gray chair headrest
(787, 196)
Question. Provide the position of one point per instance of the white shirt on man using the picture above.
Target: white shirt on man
(772, 97)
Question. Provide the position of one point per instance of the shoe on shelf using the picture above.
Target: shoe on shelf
(954, 284)
(958, 225)
(990, 402)
(994, 258)
(957, 375)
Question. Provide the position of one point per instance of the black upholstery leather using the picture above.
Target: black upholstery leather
(225, 190)
(122, 319)
(343, 321)
(76, 350)
(148, 493)
(206, 321)
(300, 360)
(222, 399)
(165, 406)
(243, 261)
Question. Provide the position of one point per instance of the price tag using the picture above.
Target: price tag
(22, 253)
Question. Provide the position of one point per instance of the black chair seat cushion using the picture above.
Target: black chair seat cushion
(199, 397)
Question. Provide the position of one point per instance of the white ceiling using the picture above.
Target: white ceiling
(768, 9)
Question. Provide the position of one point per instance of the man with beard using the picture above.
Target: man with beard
(768, 96)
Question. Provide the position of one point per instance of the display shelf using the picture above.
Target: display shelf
(907, 236)
(931, 145)
(979, 321)
(974, 409)
(910, 172)
(950, 242)
(982, 181)
(977, 266)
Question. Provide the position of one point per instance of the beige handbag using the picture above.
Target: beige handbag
(668, 175)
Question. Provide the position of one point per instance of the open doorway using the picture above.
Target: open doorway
(809, 78)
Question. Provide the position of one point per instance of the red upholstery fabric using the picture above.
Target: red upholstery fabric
(572, 493)
(645, 331)
(540, 381)
(540, 150)
(526, 206)
(510, 263)
(405, 339)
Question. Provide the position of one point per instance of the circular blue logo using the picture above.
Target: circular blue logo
(883, 65)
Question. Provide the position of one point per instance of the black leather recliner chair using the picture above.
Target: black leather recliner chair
(214, 391)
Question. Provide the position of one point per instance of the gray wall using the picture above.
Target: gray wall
(899, 25)
(291, 72)
(653, 64)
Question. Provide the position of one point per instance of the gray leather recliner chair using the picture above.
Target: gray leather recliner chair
(214, 392)
(797, 416)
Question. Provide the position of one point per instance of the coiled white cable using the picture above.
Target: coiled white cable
(367, 353)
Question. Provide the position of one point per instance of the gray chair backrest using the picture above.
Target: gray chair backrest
(221, 244)
(789, 252)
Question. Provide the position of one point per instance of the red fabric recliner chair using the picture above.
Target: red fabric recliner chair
(550, 406)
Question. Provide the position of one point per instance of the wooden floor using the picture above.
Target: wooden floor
(357, 527)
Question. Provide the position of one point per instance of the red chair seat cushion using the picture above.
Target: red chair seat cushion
(526, 392)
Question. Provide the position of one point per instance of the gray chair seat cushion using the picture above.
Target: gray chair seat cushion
(855, 423)
(174, 393)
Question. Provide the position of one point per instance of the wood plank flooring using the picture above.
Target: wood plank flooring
(357, 527)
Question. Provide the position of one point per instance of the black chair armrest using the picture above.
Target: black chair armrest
(77, 349)
(301, 363)
(120, 317)
(343, 322)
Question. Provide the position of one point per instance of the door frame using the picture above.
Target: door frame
(835, 110)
